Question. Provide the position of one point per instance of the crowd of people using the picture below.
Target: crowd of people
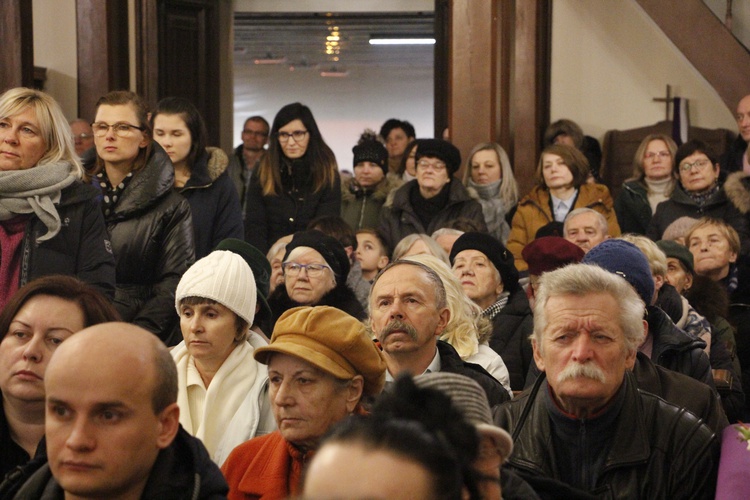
(181, 322)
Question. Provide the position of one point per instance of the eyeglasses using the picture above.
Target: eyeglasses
(255, 133)
(661, 154)
(121, 129)
(297, 134)
(438, 166)
(698, 164)
(82, 136)
(313, 270)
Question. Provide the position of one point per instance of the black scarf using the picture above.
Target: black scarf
(427, 208)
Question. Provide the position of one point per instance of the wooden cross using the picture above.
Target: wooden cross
(666, 100)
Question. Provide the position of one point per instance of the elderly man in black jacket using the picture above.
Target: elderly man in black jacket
(585, 422)
(408, 312)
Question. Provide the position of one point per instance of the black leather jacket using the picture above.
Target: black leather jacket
(658, 449)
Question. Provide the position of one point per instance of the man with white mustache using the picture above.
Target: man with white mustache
(585, 422)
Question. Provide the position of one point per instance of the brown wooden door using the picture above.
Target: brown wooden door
(178, 54)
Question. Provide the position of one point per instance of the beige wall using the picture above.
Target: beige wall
(55, 49)
(609, 59)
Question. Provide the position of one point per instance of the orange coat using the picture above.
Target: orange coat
(534, 212)
(266, 467)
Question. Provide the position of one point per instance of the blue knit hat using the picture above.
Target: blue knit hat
(623, 258)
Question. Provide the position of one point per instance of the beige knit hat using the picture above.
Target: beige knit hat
(468, 397)
(222, 276)
(331, 340)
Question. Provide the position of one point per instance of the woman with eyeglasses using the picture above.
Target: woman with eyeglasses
(697, 193)
(652, 182)
(432, 200)
(149, 224)
(315, 268)
(50, 221)
(296, 181)
(200, 173)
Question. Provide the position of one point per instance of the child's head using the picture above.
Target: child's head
(372, 252)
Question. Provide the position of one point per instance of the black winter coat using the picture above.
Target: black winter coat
(399, 218)
(214, 203)
(681, 390)
(268, 218)
(341, 297)
(511, 328)
(152, 238)
(681, 204)
(632, 208)
(676, 350)
(81, 248)
(731, 160)
(182, 470)
(658, 449)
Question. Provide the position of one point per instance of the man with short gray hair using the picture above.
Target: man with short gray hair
(585, 422)
(586, 228)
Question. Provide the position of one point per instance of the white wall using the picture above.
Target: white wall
(55, 49)
(609, 59)
(343, 107)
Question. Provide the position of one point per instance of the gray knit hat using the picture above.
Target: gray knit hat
(468, 397)
(222, 276)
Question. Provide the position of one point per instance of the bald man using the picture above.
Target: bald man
(112, 423)
(735, 158)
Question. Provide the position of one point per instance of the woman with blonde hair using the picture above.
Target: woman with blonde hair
(467, 330)
(488, 172)
(50, 221)
(652, 183)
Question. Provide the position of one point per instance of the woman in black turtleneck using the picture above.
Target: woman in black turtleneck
(433, 199)
(295, 182)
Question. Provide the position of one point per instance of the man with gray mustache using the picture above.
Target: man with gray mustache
(585, 422)
(408, 313)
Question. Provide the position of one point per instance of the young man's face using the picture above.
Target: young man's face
(103, 436)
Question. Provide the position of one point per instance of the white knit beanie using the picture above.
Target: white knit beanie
(222, 276)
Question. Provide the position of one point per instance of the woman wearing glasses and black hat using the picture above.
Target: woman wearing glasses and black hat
(315, 270)
(150, 225)
(297, 181)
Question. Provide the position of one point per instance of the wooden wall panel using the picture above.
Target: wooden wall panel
(179, 55)
(530, 95)
(17, 41)
(498, 85)
(103, 51)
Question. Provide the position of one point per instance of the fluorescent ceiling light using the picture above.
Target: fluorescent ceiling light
(402, 41)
